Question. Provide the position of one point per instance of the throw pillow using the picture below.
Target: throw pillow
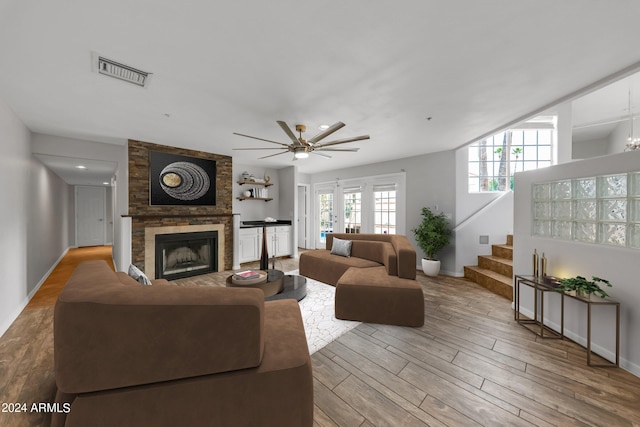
(341, 247)
(138, 275)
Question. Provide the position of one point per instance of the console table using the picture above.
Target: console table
(595, 301)
(542, 285)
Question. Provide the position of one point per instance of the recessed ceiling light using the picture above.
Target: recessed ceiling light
(81, 167)
(105, 183)
(324, 127)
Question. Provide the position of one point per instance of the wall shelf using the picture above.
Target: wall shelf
(254, 198)
(265, 184)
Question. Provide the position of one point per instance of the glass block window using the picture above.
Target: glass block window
(602, 210)
(494, 160)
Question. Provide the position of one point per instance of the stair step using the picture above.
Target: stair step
(510, 239)
(502, 251)
(495, 282)
(503, 266)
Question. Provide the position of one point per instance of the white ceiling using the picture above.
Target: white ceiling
(77, 171)
(238, 66)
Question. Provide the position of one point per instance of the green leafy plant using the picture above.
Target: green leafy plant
(581, 284)
(433, 232)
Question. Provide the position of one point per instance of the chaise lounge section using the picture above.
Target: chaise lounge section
(375, 284)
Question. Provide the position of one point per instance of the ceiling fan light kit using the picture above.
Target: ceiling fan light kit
(300, 147)
(299, 153)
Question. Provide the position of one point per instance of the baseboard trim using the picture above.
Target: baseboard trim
(444, 272)
(6, 323)
(625, 364)
(451, 273)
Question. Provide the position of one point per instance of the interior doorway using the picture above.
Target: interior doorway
(303, 216)
(90, 216)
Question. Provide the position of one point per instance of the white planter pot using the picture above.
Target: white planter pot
(430, 267)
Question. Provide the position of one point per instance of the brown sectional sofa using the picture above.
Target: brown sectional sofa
(131, 355)
(375, 284)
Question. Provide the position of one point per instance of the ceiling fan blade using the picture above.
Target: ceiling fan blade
(326, 133)
(271, 155)
(343, 141)
(320, 154)
(258, 148)
(260, 139)
(337, 149)
(288, 131)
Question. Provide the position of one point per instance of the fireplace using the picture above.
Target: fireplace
(180, 255)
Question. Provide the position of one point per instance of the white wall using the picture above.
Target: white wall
(253, 210)
(288, 202)
(48, 227)
(588, 149)
(618, 138)
(567, 259)
(15, 163)
(33, 219)
(430, 181)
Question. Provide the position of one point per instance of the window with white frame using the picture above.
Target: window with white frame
(494, 160)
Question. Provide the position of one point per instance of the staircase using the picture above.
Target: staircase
(495, 271)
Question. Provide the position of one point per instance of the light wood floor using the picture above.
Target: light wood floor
(470, 364)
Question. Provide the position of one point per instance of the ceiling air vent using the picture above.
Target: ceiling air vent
(120, 71)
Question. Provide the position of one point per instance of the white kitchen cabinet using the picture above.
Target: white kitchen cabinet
(282, 241)
(250, 240)
(278, 242)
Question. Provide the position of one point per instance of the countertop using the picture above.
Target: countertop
(262, 223)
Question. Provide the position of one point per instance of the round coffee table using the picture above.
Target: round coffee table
(294, 287)
(277, 285)
(271, 284)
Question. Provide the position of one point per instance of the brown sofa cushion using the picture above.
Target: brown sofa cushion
(109, 335)
(370, 295)
(405, 254)
(277, 393)
(381, 252)
(323, 266)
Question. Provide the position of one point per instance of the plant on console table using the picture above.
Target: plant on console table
(580, 286)
(432, 234)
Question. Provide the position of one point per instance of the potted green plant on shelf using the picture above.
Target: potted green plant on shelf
(580, 286)
(432, 234)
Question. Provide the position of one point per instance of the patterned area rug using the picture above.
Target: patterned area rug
(318, 315)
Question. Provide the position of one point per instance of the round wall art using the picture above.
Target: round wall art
(181, 180)
(184, 181)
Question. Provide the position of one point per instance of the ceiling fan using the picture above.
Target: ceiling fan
(300, 147)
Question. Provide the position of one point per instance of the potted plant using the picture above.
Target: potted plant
(580, 286)
(432, 235)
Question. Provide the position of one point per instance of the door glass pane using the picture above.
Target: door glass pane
(352, 212)
(325, 203)
(385, 212)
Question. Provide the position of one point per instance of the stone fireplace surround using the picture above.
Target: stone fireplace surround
(201, 218)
